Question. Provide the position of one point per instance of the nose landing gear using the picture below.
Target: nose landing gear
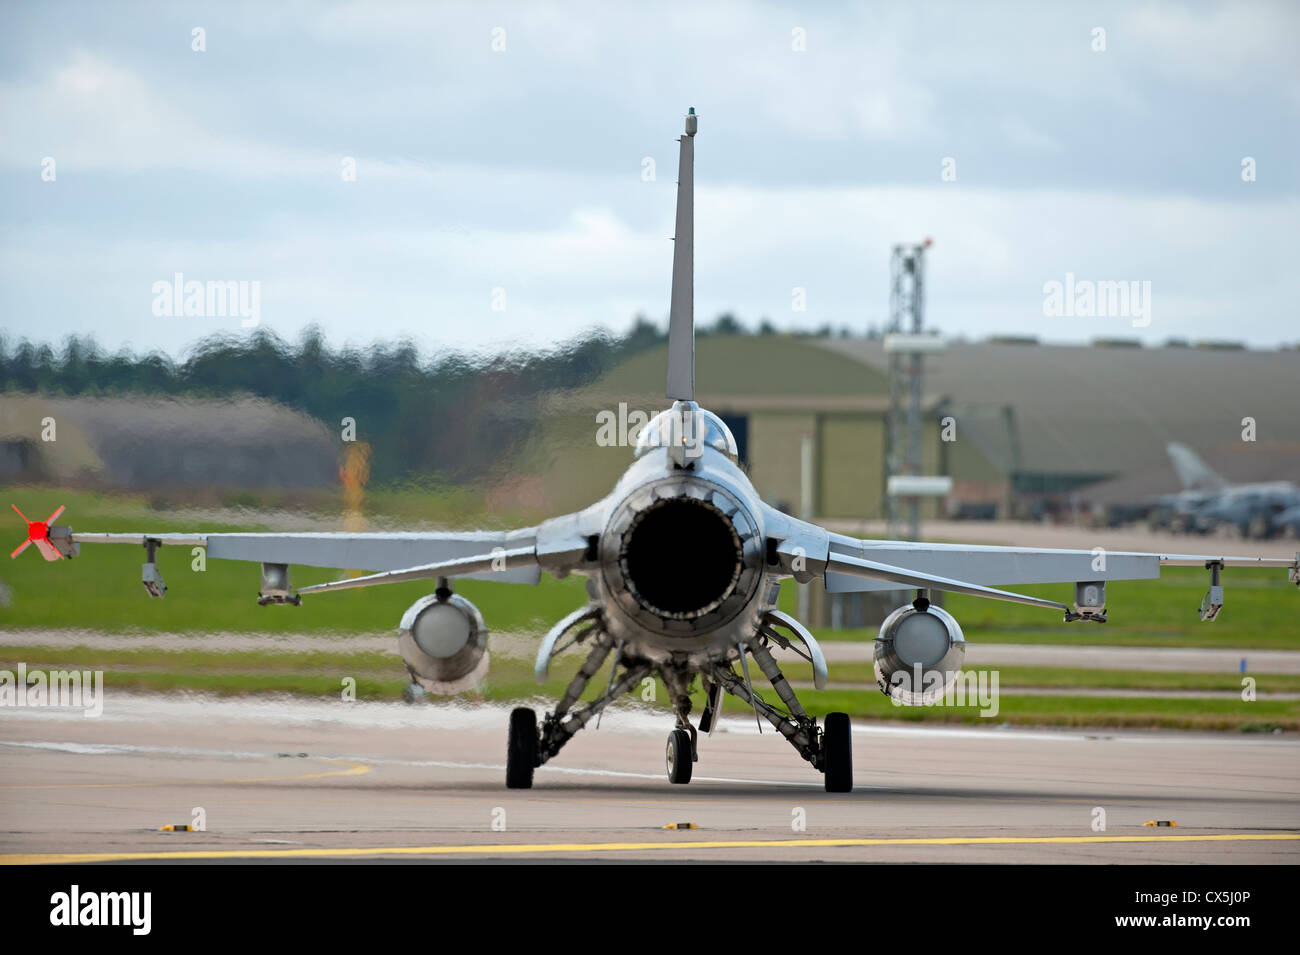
(680, 756)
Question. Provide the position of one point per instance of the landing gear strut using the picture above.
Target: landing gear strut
(531, 745)
(829, 748)
(681, 753)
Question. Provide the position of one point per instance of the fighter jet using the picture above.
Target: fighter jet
(683, 562)
(1208, 501)
(1195, 475)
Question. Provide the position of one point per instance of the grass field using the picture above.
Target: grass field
(378, 676)
(100, 591)
(1261, 610)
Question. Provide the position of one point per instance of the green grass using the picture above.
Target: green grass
(378, 676)
(1076, 711)
(101, 591)
(382, 663)
(441, 505)
(83, 657)
(1076, 677)
(1262, 611)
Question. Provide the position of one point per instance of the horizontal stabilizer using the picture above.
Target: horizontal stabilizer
(855, 567)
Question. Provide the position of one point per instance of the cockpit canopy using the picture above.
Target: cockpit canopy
(687, 424)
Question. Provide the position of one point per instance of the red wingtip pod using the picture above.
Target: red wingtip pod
(38, 533)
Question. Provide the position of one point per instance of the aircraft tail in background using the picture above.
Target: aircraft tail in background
(1194, 473)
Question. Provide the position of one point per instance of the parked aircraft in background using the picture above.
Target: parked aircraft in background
(1208, 502)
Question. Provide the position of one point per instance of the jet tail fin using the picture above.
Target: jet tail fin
(681, 316)
(1194, 473)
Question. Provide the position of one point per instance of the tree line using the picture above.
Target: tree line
(452, 416)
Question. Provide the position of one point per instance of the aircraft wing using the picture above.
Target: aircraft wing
(380, 552)
(850, 564)
(558, 546)
(1009, 566)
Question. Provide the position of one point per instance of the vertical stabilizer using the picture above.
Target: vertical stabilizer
(681, 316)
(1194, 473)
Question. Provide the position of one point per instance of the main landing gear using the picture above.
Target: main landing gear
(829, 747)
(531, 744)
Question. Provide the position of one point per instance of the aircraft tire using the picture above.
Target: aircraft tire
(837, 741)
(521, 748)
(679, 757)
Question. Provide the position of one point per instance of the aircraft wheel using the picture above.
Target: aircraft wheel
(680, 756)
(521, 749)
(837, 742)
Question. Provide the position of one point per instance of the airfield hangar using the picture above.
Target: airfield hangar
(1041, 431)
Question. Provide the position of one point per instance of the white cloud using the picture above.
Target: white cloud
(414, 93)
(993, 251)
(1021, 133)
(93, 114)
(1242, 45)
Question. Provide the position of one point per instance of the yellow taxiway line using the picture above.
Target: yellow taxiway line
(354, 769)
(534, 848)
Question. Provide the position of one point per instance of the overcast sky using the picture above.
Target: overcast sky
(823, 139)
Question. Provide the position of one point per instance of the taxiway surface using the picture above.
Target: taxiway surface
(294, 781)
